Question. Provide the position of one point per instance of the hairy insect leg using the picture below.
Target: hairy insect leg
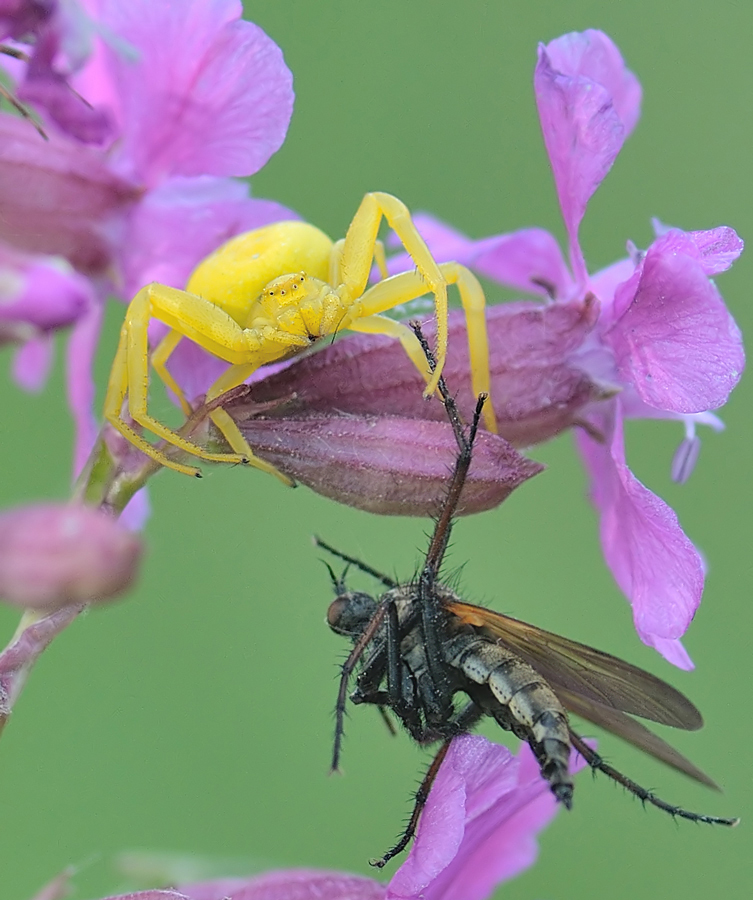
(645, 796)
(229, 379)
(347, 670)
(403, 288)
(428, 601)
(117, 389)
(441, 535)
(335, 261)
(422, 795)
(390, 725)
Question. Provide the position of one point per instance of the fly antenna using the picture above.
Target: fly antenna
(353, 561)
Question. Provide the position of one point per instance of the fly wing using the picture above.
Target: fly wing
(633, 732)
(583, 671)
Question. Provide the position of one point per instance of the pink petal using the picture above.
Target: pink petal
(184, 220)
(673, 651)
(653, 562)
(591, 54)
(676, 343)
(19, 18)
(717, 248)
(479, 826)
(588, 103)
(59, 198)
(206, 93)
(31, 363)
(604, 284)
(291, 884)
(42, 291)
(80, 388)
(46, 88)
(529, 259)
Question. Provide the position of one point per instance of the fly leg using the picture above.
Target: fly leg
(422, 795)
(401, 695)
(645, 796)
(347, 670)
(462, 722)
(432, 617)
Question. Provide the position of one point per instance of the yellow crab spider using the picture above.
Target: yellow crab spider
(270, 293)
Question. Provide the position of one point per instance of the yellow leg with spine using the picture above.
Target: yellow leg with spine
(160, 356)
(408, 286)
(130, 375)
(358, 253)
(229, 379)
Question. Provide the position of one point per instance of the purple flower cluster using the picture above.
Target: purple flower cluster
(187, 97)
(153, 110)
(647, 337)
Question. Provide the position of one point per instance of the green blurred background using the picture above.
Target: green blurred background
(195, 716)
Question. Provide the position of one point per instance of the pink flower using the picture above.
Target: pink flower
(158, 194)
(478, 829)
(60, 35)
(664, 340)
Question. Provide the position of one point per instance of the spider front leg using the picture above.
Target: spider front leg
(231, 378)
(212, 328)
(129, 377)
(403, 288)
(359, 251)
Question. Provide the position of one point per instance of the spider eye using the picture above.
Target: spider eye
(282, 293)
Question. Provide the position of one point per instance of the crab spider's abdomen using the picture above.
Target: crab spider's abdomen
(234, 276)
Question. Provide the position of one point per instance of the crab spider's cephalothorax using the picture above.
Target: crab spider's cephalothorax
(268, 294)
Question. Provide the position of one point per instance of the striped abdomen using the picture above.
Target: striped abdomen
(521, 701)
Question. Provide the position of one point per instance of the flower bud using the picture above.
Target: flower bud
(386, 464)
(54, 555)
(537, 387)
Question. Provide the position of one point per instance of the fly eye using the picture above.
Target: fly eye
(335, 612)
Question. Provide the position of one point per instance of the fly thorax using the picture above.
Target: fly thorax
(296, 304)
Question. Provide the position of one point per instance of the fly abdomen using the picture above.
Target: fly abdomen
(525, 704)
